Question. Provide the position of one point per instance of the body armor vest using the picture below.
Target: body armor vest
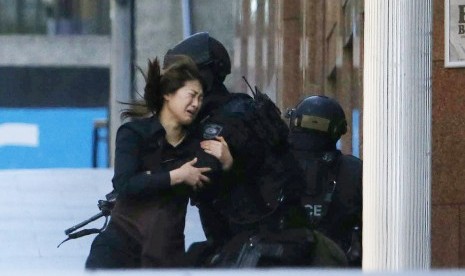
(333, 193)
(321, 178)
(263, 173)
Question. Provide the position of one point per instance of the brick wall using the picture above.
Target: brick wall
(316, 47)
(448, 187)
(296, 48)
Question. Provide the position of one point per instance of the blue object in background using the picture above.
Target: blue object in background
(355, 133)
(64, 138)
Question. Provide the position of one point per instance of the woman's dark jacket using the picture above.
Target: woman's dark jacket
(147, 207)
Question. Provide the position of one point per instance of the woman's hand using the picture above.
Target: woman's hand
(189, 175)
(219, 148)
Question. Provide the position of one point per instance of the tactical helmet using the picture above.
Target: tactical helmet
(207, 53)
(318, 114)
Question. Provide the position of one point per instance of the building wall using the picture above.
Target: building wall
(297, 48)
(62, 61)
(54, 84)
(448, 188)
(257, 44)
(57, 51)
(159, 26)
(52, 91)
(316, 47)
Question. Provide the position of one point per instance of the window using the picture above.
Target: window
(55, 17)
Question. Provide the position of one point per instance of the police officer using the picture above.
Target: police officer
(333, 195)
(252, 214)
(214, 64)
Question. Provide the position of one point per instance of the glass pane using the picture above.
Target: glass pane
(55, 17)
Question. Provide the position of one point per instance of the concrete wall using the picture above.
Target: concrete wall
(159, 26)
(41, 50)
(217, 18)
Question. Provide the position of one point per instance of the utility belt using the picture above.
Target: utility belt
(285, 216)
(265, 249)
(251, 204)
(294, 247)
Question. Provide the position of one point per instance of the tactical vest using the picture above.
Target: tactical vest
(321, 179)
(263, 173)
(333, 194)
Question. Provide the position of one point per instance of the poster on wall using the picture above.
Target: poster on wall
(454, 33)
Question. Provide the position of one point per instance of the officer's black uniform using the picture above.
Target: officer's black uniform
(253, 216)
(333, 195)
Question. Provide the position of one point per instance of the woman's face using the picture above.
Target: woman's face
(184, 104)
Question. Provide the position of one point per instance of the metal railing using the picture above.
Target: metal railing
(99, 126)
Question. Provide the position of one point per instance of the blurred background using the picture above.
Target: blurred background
(57, 93)
(55, 58)
(54, 80)
(55, 63)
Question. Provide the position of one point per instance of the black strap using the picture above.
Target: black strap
(86, 232)
(105, 207)
(330, 168)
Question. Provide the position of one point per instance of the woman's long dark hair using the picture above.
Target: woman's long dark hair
(158, 84)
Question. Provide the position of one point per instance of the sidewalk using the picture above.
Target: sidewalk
(36, 206)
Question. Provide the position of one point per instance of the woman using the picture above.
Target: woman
(156, 166)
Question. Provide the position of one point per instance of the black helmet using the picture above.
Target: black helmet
(318, 114)
(207, 53)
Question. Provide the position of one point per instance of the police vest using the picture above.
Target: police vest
(263, 173)
(321, 181)
(333, 189)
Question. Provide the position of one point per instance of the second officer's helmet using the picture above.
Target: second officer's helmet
(209, 54)
(318, 114)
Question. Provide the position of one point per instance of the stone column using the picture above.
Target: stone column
(397, 135)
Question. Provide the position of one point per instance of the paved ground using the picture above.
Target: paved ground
(36, 206)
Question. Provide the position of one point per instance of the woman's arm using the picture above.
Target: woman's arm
(190, 175)
(128, 180)
(220, 149)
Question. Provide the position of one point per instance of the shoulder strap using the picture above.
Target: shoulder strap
(333, 172)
